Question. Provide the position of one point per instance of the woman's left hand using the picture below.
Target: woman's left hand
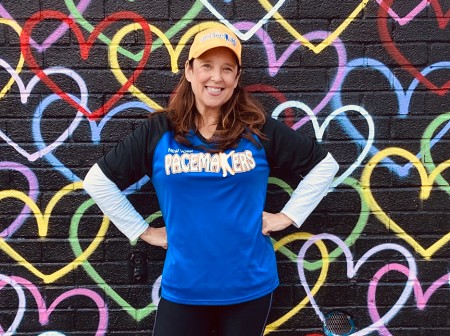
(274, 222)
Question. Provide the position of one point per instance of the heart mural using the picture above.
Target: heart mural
(352, 270)
(42, 219)
(44, 312)
(427, 182)
(85, 47)
(421, 297)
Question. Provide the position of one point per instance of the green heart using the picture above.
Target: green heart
(183, 22)
(349, 241)
(136, 313)
(425, 147)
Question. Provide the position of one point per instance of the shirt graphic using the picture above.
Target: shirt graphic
(186, 161)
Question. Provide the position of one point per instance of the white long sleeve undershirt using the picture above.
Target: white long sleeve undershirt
(310, 191)
(114, 203)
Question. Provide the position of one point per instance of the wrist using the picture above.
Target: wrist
(146, 233)
(288, 219)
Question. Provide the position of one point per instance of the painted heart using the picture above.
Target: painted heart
(33, 187)
(25, 93)
(191, 14)
(275, 64)
(320, 129)
(352, 270)
(404, 97)
(96, 129)
(56, 34)
(44, 312)
(443, 19)
(408, 17)
(281, 244)
(85, 47)
(306, 42)
(421, 297)
(427, 183)
(427, 143)
(42, 219)
(21, 305)
(394, 51)
(326, 257)
(351, 238)
(136, 313)
(21, 61)
(244, 37)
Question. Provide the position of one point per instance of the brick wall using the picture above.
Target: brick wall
(369, 79)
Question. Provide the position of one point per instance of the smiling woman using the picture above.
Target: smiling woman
(209, 155)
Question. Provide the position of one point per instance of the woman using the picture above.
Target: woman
(209, 156)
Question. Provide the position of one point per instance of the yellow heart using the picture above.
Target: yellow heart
(13, 24)
(321, 279)
(325, 43)
(173, 53)
(42, 220)
(425, 190)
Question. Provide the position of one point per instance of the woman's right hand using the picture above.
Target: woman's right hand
(155, 236)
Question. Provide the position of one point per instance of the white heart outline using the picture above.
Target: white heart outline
(251, 32)
(22, 305)
(25, 92)
(319, 130)
(353, 269)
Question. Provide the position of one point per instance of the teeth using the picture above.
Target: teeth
(214, 90)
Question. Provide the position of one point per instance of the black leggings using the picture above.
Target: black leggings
(242, 319)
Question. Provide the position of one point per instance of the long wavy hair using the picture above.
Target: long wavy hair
(241, 116)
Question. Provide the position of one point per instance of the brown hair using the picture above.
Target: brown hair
(240, 117)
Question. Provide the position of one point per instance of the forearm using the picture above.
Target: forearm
(114, 203)
(310, 191)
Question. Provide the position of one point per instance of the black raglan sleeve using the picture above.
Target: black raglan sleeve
(290, 152)
(132, 159)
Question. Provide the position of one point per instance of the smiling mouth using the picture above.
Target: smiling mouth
(214, 90)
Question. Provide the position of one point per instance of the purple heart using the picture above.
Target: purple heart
(33, 193)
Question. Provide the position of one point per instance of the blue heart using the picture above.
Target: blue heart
(95, 131)
(403, 98)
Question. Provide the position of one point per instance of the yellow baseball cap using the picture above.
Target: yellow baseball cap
(217, 36)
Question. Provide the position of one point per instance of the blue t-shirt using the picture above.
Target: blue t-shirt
(212, 206)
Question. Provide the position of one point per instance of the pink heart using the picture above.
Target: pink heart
(408, 17)
(421, 297)
(352, 269)
(44, 313)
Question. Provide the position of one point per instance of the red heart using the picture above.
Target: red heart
(85, 47)
(399, 57)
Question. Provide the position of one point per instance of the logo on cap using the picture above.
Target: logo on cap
(223, 36)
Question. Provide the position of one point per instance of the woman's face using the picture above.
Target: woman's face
(213, 77)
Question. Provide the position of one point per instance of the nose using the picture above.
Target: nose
(216, 75)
